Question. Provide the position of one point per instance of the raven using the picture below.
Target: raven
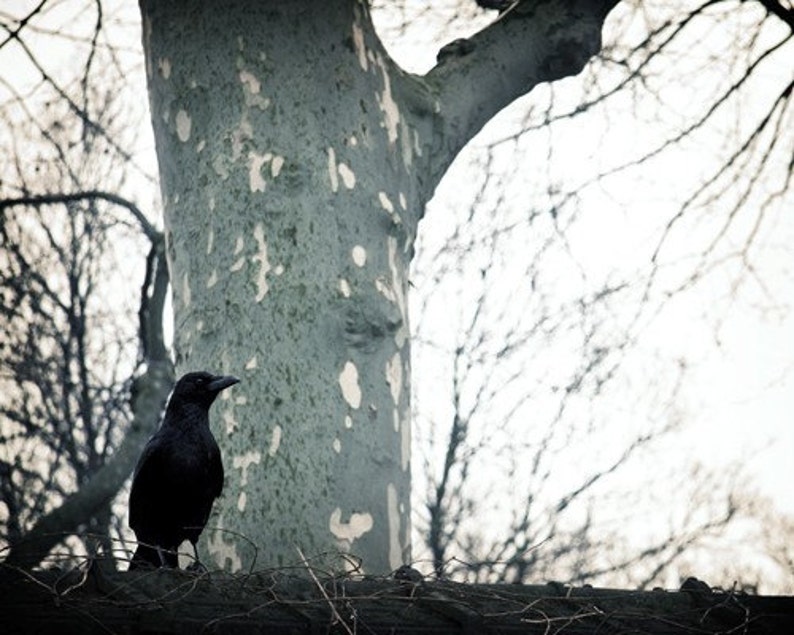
(179, 473)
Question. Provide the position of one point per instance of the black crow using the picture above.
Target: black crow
(179, 473)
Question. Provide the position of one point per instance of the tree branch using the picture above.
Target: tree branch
(532, 42)
(148, 396)
(149, 230)
(776, 8)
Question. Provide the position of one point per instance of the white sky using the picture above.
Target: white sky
(739, 394)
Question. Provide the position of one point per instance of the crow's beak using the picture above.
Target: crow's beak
(222, 381)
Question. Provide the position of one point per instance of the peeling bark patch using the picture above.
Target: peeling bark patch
(255, 162)
(185, 290)
(358, 43)
(275, 441)
(405, 443)
(276, 165)
(394, 377)
(261, 257)
(397, 285)
(384, 289)
(222, 551)
(385, 202)
(230, 424)
(348, 382)
(395, 549)
(391, 113)
(346, 533)
(239, 245)
(388, 206)
(183, 124)
(251, 83)
(164, 66)
(332, 170)
(348, 176)
(359, 255)
(242, 463)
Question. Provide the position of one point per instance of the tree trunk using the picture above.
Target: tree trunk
(295, 162)
(286, 194)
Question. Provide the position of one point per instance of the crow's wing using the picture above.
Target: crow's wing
(146, 481)
(216, 472)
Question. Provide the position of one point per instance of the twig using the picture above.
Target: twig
(337, 616)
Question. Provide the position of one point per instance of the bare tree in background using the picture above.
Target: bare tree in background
(541, 349)
(81, 353)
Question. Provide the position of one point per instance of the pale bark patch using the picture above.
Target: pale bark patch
(394, 377)
(405, 443)
(251, 83)
(348, 532)
(230, 424)
(359, 255)
(222, 551)
(358, 44)
(185, 290)
(332, 170)
(239, 245)
(385, 202)
(348, 382)
(243, 462)
(391, 112)
(397, 285)
(348, 176)
(395, 548)
(276, 165)
(264, 264)
(164, 66)
(183, 124)
(256, 181)
(275, 441)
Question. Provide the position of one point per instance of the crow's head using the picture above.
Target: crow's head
(201, 388)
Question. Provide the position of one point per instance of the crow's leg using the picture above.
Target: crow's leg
(196, 566)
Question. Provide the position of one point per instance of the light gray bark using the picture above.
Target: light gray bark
(296, 160)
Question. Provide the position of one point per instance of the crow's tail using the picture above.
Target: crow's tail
(147, 556)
